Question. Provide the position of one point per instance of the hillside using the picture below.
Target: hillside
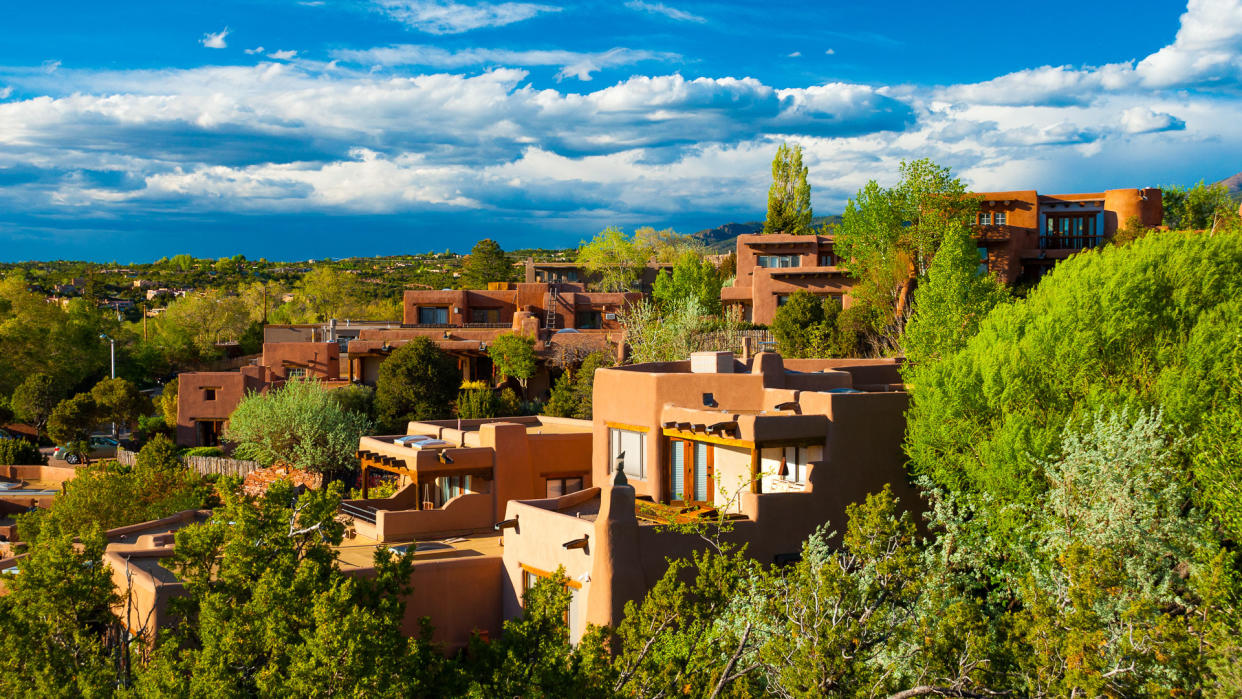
(724, 238)
(1234, 185)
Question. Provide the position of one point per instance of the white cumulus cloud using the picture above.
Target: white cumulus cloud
(216, 40)
(572, 63)
(1136, 120)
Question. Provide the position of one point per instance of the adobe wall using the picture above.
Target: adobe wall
(1122, 204)
(464, 514)
(321, 360)
(192, 402)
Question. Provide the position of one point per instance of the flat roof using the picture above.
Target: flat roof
(359, 551)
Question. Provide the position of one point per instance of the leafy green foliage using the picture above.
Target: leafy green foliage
(615, 258)
(355, 398)
(40, 337)
(693, 277)
(573, 391)
(1196, 208)
(486, 262)
(107, 495)
(513, 356)
(35, 398)
(159, 454)
(789, 197)
(72, 421)
(806, 326)
(60, 637)
(476, 400)
(533, 656)
(670, 335)
(418, 381)
(168, 403)
(297, 424)
(119, 401)
(951, 303)
(20, 452)
(508, 403)
(267, 611)
(888, 236)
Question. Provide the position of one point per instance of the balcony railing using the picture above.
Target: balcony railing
(1069, 242)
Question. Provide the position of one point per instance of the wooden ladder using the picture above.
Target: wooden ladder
(549, 302)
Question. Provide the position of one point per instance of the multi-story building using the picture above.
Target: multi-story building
(205, 399)
(1023, 234)
(771, 267)
(1020, 236)
(776, 448)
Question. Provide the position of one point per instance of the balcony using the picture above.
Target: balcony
(1070, 242)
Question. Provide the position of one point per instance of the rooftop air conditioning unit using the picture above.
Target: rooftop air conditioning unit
(610, 316)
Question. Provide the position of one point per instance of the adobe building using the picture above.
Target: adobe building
(1023, 234)
(456, 477)
(773, 266)
(205, 399)
(1020, 236)
(776, 447)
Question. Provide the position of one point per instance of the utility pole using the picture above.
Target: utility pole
(112, 343)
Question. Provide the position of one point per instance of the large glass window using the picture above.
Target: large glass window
(780, 261)
(985, 218)
(690, 471)
(433, 315)
(630, 447)
(482, 315)
(589, 320)
(1072, 232)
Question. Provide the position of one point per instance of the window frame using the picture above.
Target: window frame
(614, 437)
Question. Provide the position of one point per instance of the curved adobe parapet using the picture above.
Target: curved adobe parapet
(1122, 204)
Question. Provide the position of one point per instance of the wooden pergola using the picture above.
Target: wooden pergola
(419, 474)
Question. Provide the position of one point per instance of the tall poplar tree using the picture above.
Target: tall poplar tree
(789, 198)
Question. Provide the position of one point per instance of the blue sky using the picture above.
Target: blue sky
(297, 130)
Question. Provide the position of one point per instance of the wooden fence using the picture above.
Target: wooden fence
(203, 464)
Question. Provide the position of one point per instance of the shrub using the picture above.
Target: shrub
(418, 381)
(159, 453)
(476, 400)
(19, 452)
(204, 451)
(508, 403)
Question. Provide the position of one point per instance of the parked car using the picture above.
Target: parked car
(100, 448)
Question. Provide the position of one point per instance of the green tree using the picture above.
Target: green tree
(789, 197)
(106, 495)
(19, 452)
(476, 400)
(615, 257)
(1196, 208)
(692, 277)
(356, 398)
(806, 326)
(34, 400)
(949, 306)
(418, 381)
(671, 335)
(573, 392)
(513, 356)
(158, 454)
(60, 637)
(887, 237)
(168, 403)
(298, 424)
(268, 612)
(119, 401)
(533, 656)
(486, 262)
(71, 423)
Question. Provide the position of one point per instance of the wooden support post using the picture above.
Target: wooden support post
(756, 481)
(365, 480)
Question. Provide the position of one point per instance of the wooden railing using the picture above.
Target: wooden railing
(1069, 242)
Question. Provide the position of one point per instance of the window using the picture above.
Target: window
(484, 315)
(563, 486)
(796, 464)
(982, 269)
(985, 218)
(788, 464)
(779, 261)
(589, 320)
(691, 471)
(209, 393)
(829, 259)
(297, 372)
(633, 445)
(1070, 232)
(781, 299)
(451, 487)
(1000, 218)
(433, 315)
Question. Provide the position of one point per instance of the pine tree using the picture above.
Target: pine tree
(789, 198)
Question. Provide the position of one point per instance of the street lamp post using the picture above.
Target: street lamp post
(112, 343)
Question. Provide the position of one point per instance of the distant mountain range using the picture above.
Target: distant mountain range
(724, 238)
